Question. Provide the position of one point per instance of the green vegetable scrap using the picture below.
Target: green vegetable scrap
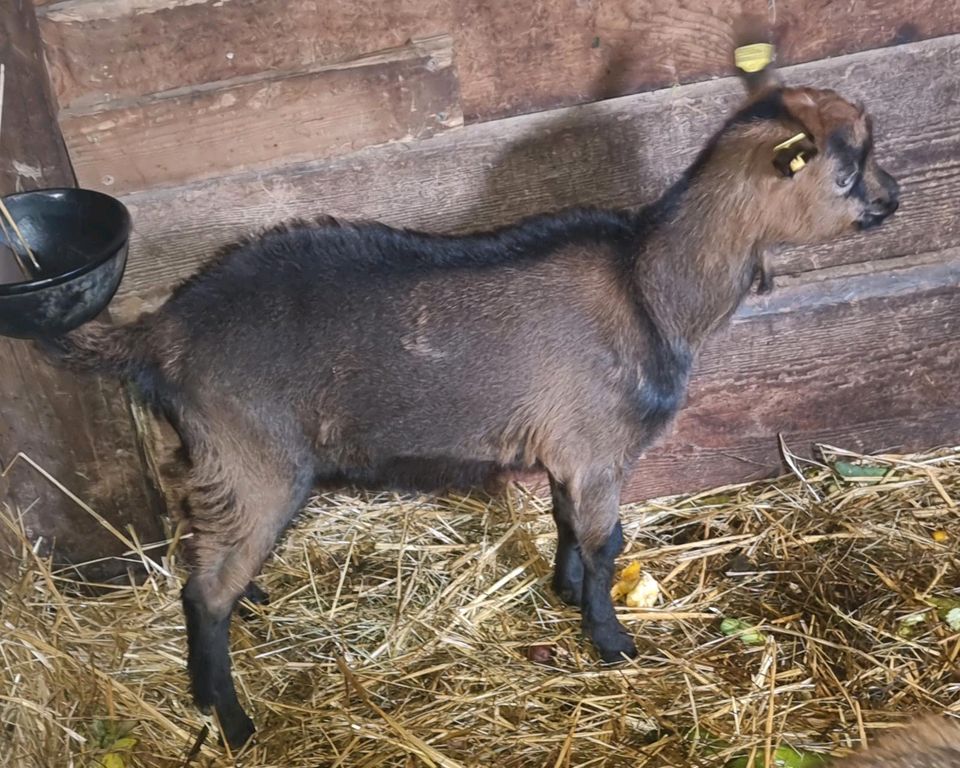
(114, 738)
(749, 635)
(908, 625)
(953, 619)
(783, 757)
(860, 473)
(948, 609)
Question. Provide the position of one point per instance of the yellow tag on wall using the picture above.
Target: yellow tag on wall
(753, 58)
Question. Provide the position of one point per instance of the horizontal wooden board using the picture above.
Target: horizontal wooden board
(612, 153)
(115, 49)
(258, 122)
(559, 53)
(512, 57)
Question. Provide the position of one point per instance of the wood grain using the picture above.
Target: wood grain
(115, 50)
(661, 42)
(263, 121)
(79, 431)
(612, 153)
(512, 57)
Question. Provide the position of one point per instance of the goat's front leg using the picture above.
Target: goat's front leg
(599, 617)
(595, 519)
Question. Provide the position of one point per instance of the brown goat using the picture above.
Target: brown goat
(932, 742)
(362, 354)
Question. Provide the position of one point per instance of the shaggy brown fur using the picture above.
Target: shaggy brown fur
(932, 742)
(357, 353)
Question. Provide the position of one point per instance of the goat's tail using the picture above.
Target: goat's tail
(121, 352)
(96, 347)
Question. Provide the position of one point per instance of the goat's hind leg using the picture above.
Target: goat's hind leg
(235, 524)
(568, 564)
(253, 594)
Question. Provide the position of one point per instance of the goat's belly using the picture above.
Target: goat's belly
(428, 475)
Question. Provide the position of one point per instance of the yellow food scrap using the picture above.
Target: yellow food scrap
(626, 581)
(645, 594)
(940, 536)
(635, 587)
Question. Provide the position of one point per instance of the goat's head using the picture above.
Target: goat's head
(811, 170)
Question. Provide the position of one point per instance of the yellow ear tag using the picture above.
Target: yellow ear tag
(753, 58)
(797, 163)
(790, 142)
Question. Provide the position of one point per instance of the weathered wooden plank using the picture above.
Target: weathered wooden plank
(683, 39)
(512, 57)
(30, 147)
(124, 48)
(260, 122)
(79, 431)
(521, 57)
(516, 59)
(613, 153)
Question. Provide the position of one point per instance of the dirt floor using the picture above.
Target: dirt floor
(415, 631)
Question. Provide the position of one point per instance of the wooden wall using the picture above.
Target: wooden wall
(158, 92)
(212, 118)
(79, 431)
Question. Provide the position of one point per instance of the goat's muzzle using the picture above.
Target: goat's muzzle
(878, 211)
(883, 198)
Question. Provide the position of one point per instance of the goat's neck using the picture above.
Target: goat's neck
(696, 263)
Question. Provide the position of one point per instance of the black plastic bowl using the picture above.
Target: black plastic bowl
(79, 238)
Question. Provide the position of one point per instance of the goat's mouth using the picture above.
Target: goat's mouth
(874, 218)
(869, 221)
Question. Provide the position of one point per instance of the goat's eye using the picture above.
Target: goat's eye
(847, 179)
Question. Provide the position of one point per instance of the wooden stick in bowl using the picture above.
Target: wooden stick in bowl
(26, 248)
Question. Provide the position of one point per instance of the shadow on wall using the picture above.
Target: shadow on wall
(587, 156)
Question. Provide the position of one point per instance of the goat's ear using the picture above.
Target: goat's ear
(792, 155)
(754, 55)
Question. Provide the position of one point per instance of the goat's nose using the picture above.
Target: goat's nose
(877, 212)
(884, 206)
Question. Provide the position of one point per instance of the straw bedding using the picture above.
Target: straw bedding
(415, 631)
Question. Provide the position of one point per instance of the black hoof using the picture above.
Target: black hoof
(237, 731)
(571, 594)
(254, 595)
(613, 643)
